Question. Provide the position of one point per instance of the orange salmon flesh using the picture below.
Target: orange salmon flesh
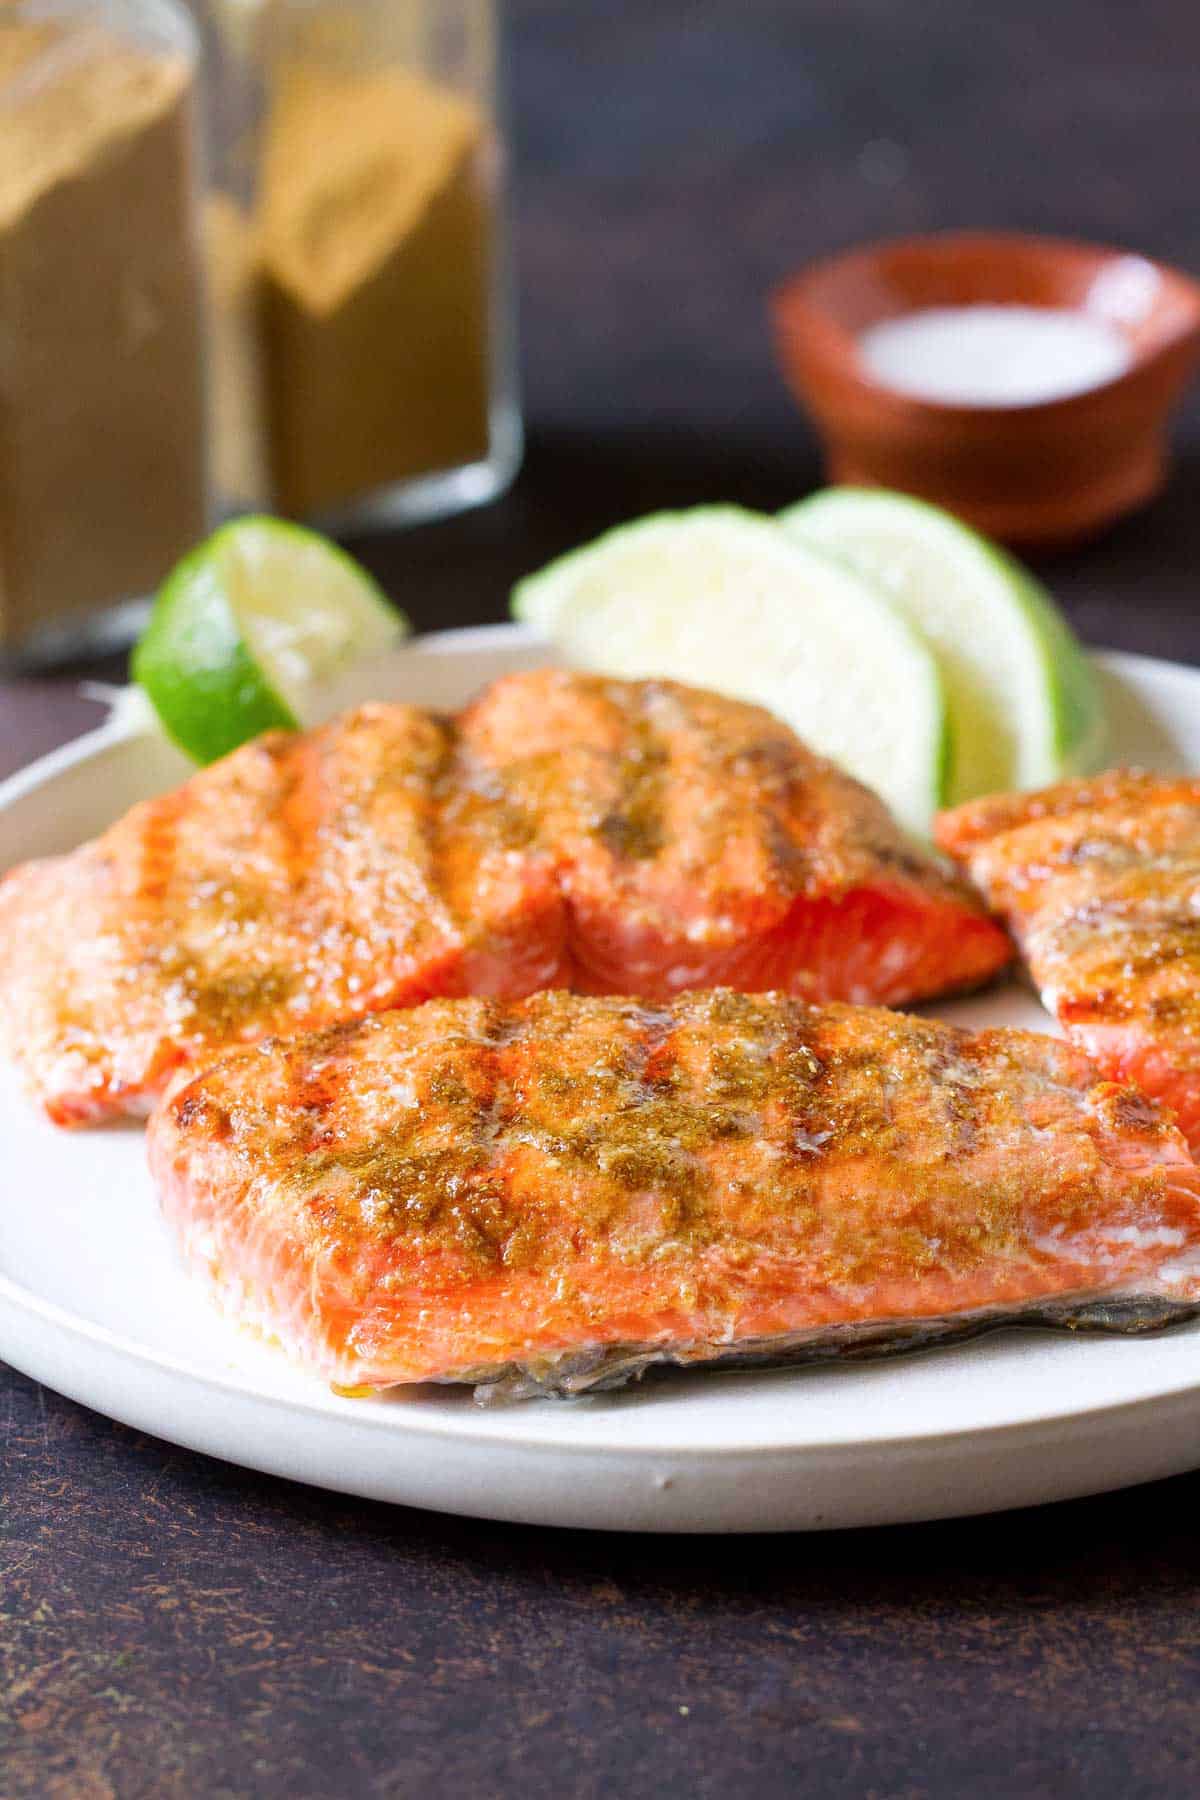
(546, 1195)
(564, 831)
(1100, 883)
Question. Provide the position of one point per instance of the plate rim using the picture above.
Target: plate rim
(121, 725)
(81, 1330)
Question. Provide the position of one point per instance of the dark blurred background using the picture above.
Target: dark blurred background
(675, 159)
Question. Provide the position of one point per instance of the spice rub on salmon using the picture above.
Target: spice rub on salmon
(699, 843)
(549, 1195)
(301, 880)
(570, 831)
(1100, 883)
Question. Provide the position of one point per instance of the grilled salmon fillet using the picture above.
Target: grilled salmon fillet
(301, 880)
(549, 1194)
(700, 843)
(633, 836)
(1100, 883)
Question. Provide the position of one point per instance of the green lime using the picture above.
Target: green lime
(249, 625)
(1025, 705)
(727, 600)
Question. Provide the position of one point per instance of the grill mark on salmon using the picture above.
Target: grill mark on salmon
(700, 843)
(611, 836)
(549, 1195)
(1100, 883)
(298, 882)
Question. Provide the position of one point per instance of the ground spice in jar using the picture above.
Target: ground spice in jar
(102, 477)
(371, 251)
(241, 469)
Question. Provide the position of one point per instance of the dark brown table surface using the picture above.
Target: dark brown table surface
(172, 1626)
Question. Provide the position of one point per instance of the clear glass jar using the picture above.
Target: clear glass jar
(362, 330)
(102, 398)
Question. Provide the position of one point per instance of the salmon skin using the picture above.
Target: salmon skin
(546, 1196)
(568, 831)
(1100, 883)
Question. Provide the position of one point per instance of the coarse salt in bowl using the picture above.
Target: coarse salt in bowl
(995, 355)
(918, 361)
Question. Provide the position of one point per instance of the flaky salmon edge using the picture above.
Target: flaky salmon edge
(577, 1373)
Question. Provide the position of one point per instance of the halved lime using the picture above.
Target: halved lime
(247, 628)
(1025, 706)
(724, 599)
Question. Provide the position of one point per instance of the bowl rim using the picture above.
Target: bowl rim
(792, 304)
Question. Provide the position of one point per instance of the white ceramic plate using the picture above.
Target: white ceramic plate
(92, 1302)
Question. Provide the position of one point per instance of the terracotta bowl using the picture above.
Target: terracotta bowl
(1041, 474)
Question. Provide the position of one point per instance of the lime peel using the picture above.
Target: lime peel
(725, 599)
(248, 626)
(1025, 705)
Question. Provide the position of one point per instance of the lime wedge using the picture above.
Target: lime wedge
(724, 599)
(247, 628)
(1025, 706)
